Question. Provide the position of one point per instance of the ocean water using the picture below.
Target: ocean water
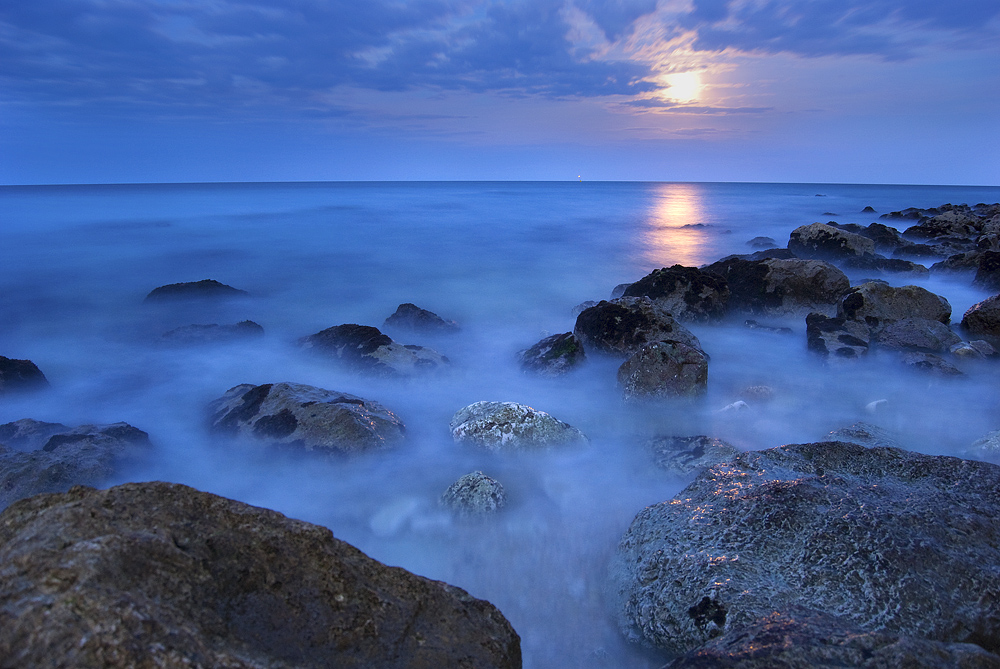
(508, 261)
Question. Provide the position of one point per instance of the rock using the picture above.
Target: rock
(928, 362)
(508, 426)
(762, 243)
(664, 369)
(412, 318)
(983, 319)
(55, 457)
(20, 375)
(948, 224)
(984, 348)
(754, 325)
(865, 434)
(837, 337)
(919, 334)
(988, 271)
(553, 356)
(685, 455)
(619, 290)
(966, 350)
(877, 263)
(774, 286)
(986, 447)
(623, 325)
(893, 541)
(365, 349)
(911, 213)
(924, 251)
(305, 417)
(886, 238)
(475, 494)
(878, 304)
(687, 293)
(868, 210)
(583, 306)
(214, 333)
(757, 394)
(820, 241)
(206, 289)
(159, 574)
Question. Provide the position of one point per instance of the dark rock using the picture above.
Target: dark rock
(508, 426)
(212, 334)
(922, 251)
(826, 242)
(878, 304)
(687, 293)
(412, 318)
(897, 542)
(919, 334)
(928, 362)
(912, 213)
(475, 494)
(984, 348)
(207, 289)
(754, 325)
(305, 417)
(886, 238)
(868, 210)
(983, 320)
(685, 455)
(762, 243)
(878, 263)
(664, 369)
(837, 337)
(988, 271)
(775, 286)
(948, 224)
(553, 356)
(623, 325)
(865, 434)
(365, 349)
(960, 262)
(159, 574)
(28, 434)
(20, 375)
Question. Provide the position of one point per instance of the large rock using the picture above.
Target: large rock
(365, 349)
(948, 224)
(475, 494)
(886, 539)
(837, 337)
(20, 375)
(52, 457)
(878, 304)
(686, 455)
(825, 242)
(553, 356)
(624, 325)
(960, 262)
(918, 334)
(663, 370)
(983, 319)
(412, 318)
(159, 574)
(781, 287)
(988, 271)
(686, 292)
(206, 289)
(508, 426)
(305, 417)
(213, 333)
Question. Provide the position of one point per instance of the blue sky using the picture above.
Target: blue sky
(879, 91)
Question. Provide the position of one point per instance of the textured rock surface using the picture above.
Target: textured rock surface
(881, 265)
(214, 333)
(686, 292)
(412, 318)
(825, 242)
(878, 304)
(475, 494)
(365, 349)
(928, 362)
(305, 417)
(837, 337)
(664, 369)
(882, 538)
(553, 356)
(776, 286)
(29, 434)
(685, 455)
(508, 426)
(919, 334)
(19, 375)
(865, 434)
(161, 575)
(206, 289)
(983, 319)
(623, 325)
(988, 271)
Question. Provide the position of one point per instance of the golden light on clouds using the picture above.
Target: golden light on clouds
(676, 229)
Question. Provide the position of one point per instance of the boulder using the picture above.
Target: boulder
(890, 541)
(762, 243)
(983, 319)
(826, 242)
(781, 287)
(910, 213)
(837, 337)
(411, 318)
(475, 494)
(912, 250)
(928, 362)
(960, 262)
(214, 333)
(365, 349)
(988, 271)
(886, 238)
(623, 325)
(305, 417)
(947, 224)
(508, 426)
(687, 293)
(206, 289)
(664, 369)
(917, 334)
(686, 455)
(159, 574)
(984, 348)
(868, 210)
(20, 375)
(878, 304)
(553, 356)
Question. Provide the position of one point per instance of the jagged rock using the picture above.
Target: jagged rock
(919, 334)
(365, 349)
(825, 242)
(508, 426)
(762, 243)
(928, 362)
(684, 455)
(305, 417)
(894, 541)
(412, 318)
(775, 286)
(206, 289)
(988, 271)
(159, 574)
(878, 304)
(983, 319)
(865, 434)
(664, 369)
(837, 337)
(475, 494)
(623, 325)
(886, 238)
(53, 457)
(553, 356)
(686, 292)
(20, 375)
(214, 333)
(960, 262)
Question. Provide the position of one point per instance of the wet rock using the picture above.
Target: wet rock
(928, 362)
(553, 356)
(878, 304)
(20, 375)
(508, 426)
(684, 455)
(53, 457)
(894, 541)
(920, 334)
(623, 325)
(960, 262)
(775, 286)
(411, 318)
(983, 319)
(988, 271)
(214, 333)
(836, 337)
(159, 574)
(865, 434)
(365, 349)
(664, 369)
(687, 293)
(475, 494)
(825, 242)
(305, 417)
(206, 289)
(762, 243)
(886, 238)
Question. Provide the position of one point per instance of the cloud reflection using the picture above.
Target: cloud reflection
(676, 231)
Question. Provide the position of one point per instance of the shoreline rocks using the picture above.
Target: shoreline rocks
(622, 326)
(663, 370)
(686, 292)
(781, 287)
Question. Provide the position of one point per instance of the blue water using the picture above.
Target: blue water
(508, 261)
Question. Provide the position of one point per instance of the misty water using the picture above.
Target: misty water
(508, 261)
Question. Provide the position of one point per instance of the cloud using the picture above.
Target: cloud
(685, 108)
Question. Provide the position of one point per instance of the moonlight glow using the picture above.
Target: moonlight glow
(683, 87)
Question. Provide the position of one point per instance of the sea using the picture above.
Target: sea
(509, 261)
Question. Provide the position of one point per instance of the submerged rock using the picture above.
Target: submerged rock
(826, 242)
(781, 287)
(686, 292)
(20, 375)
(664, 369)
(624, 325)
(508, 426)
(213, 333)
(305, 417)
(762, 243)
(412, 318)
(878, 304)
(837, 337)
(365, 349)
(685, 455)
(206, 289)
(159, 574)
(475, 494)
(983, 319)
(553, 356)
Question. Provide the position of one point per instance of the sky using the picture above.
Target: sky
(849, 91)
